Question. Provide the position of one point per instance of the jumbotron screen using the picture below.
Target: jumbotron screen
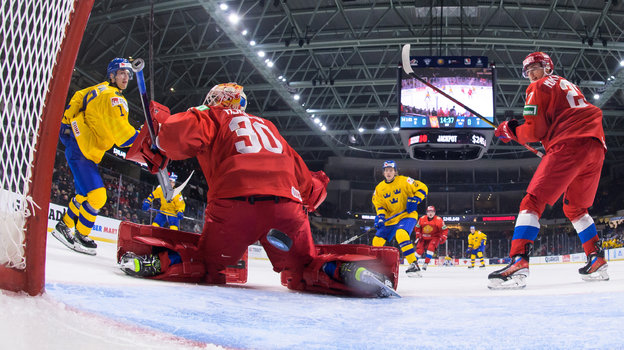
(468, 79)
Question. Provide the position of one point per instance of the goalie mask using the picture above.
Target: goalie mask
(117, 64)
(228, 95)
(537, 57)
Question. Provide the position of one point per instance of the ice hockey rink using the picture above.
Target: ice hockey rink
(90, 304)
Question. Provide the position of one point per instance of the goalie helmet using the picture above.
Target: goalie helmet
(537, 57)
(117, 64)
(228, 95)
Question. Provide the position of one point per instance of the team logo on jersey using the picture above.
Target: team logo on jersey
(115, 101)
(530, 110)
(75, 128)
(394, 201)
(386, 195)
(397, 191)
(427, 229)
(410, 180)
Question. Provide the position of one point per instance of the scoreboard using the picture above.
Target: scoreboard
(432, 126)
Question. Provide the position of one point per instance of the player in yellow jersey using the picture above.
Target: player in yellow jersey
(95, 119)
(476, 246)
(396, 200)
(171, 212)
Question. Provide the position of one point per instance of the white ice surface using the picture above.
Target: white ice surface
(90, 304)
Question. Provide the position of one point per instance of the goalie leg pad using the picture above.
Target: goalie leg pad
(147, 239)
(384, 260)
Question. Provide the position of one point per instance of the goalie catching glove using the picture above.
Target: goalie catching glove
(318, 192)
(506, 131)
(142, 150)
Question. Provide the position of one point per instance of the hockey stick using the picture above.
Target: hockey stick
(407, 68)
(370, 229)
(162, 175)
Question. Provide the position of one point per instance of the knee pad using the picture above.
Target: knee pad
(479, 254)
(79, 198)
(572, 212)
(533, 204)
(97, 198)
(402, 236)
(378, 241)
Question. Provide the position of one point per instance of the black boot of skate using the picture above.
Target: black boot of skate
(514, 274)
(140, 265)
(413, 270)
(596, 267)
(84, 244)
(366, 281)
(64, 234)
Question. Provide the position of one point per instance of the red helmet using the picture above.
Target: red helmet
(537, 57)
(431, 207)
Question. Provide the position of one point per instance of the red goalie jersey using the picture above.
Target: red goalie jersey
(427, 229)
(248, 156)
(556, 110)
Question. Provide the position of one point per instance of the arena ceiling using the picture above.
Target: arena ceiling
(341, 58)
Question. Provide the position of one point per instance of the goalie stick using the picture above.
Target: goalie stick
(163, 175)
(370, 229)
(407, 68)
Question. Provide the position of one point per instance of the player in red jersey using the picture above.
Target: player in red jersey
(430, 232)
(256, 184)
(556, 114)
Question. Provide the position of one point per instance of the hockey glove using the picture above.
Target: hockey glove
(143, 152)
(160, 113)
(380, 220)
(506, 131)
(180, 215)
(146, 205)
(412, 204)
(442, 239)
(318, 192)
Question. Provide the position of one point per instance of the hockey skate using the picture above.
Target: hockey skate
(481, 266)
(511, 276)
(64, 234)
(140, 265)
(367, 281)
(413, 270)
(84, 244)
(596, 267)
(424, 268)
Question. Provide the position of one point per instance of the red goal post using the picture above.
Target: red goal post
(39, 44)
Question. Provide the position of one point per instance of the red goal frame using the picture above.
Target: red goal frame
(32, 278)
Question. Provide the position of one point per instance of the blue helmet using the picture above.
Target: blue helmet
(389, 164)
(173, 176)
(117, 64)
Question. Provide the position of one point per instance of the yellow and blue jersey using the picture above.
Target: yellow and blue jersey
(391, 198)
(173, 207)
(476, 240)
(98, 118)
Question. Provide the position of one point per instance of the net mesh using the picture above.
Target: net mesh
(31, 34)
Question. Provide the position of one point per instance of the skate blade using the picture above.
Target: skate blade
(416, 274)
(597, 276)
(61, 238)
(384, 290)
(515, 282)
(77, 247)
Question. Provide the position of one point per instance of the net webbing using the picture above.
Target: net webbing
(31, 33)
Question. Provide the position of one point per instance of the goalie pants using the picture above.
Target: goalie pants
(231, 225)
(572, 168)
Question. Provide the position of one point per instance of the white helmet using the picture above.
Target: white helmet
(228, 95)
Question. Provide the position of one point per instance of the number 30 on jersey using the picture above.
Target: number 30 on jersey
(256, 136)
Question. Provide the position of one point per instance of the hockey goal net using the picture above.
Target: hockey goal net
(39, 41)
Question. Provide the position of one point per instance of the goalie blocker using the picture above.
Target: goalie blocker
(145, 240)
